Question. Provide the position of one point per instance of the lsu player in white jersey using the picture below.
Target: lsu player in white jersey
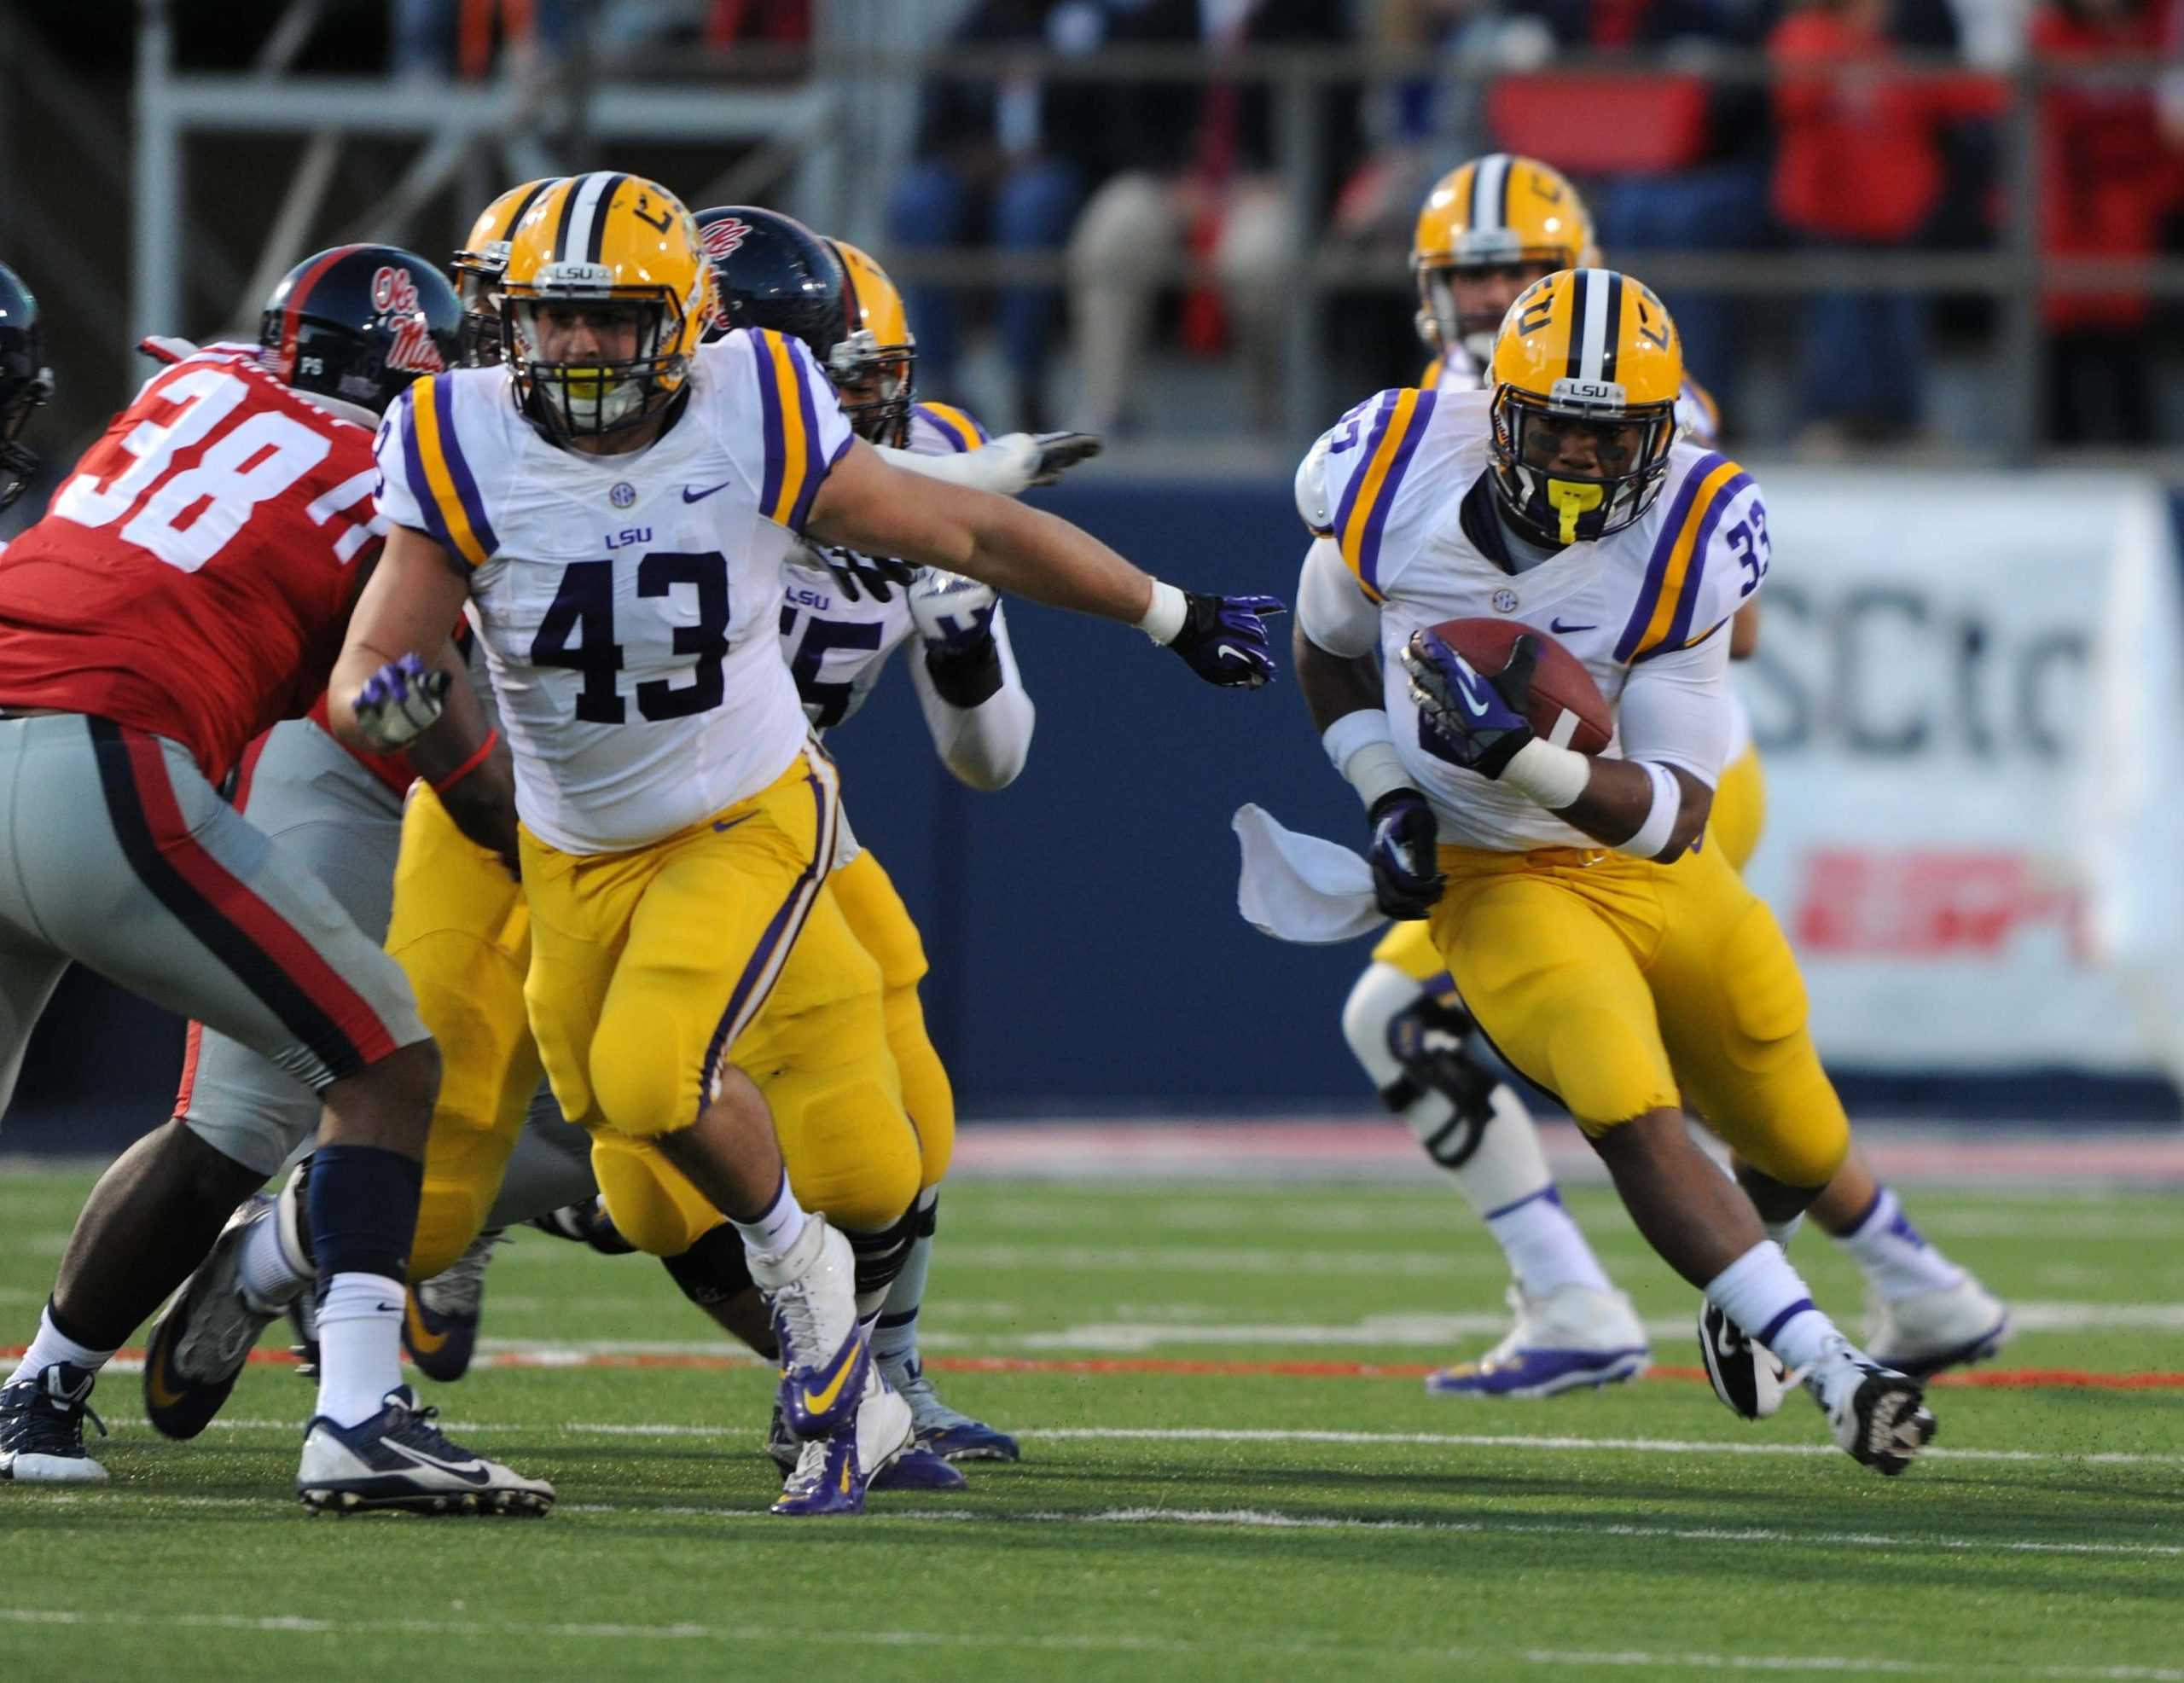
(1608, 956)
(1487, 230)
(614, 506)
(842, 620)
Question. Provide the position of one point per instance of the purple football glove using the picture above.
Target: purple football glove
(399, 702)
(1223, 639)
(1407, 878)
(1463, 717)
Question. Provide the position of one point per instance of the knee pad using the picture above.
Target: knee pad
(1435, 1041)
(1375, 998)
(652, 1205)
(637, 1084)
(715, 1267)
(880, 1253)
(850, 1151)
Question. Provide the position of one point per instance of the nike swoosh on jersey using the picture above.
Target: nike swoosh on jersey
(690, 495)
(473, 1473)
(1560, 629)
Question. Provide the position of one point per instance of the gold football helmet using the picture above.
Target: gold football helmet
(477, 265)
(875, 365)
(1496, 216)
(605, 295)
(1586, 372)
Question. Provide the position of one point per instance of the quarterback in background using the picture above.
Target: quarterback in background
(1610, 957)
(1486, 231)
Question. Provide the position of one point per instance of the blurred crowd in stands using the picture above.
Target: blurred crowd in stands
(1882, 126)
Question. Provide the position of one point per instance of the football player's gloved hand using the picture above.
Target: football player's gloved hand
(1037, 458)
(1466, 719)
(954, 614)
(399, 702)
(1407, 878)
(859, 574)
(1223, 639)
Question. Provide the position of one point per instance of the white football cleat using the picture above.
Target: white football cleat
(398, 1459)
(1923, 1333)
(1744, 1374)
(1566, 1339)
(832, 1473)
(1878, 1416)
(811, 1289)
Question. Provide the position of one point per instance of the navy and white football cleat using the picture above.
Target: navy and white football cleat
(1928, 1331)
(1878, 1416)
(1744, 1374)
(440, 1316)
(398, 1459)
(204, 1334)
(1571, 1338)
(947, 1432)
(833, 1471)
(918, 1468)
(42, 1428)
(811, 1289)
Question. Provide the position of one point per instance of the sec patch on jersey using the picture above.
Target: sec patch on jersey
(1566, 707)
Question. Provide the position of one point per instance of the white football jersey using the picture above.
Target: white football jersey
(629, 605)
(1401, 484)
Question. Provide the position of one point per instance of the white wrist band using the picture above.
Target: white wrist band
(1352, 731)
(1653, 835)
(1553, 776)
(1375, 769)
(1163, 620)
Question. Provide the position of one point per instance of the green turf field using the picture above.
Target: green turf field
(1185, 1507)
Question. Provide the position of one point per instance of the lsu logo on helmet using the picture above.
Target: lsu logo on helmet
(1587, 370)
(605, 292)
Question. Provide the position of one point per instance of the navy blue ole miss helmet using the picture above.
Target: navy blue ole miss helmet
(26, 382)
(361, 323)
(769, 270)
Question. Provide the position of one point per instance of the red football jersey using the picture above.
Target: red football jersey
(193, 577)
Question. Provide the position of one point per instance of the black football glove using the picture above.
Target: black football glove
(1223, 639)
(1470, 721)
(1407, 880)
(857, 573)
(1059, 452)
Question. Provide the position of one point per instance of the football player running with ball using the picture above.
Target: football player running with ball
(1608, 956)
(1488, 230)
(615, 506)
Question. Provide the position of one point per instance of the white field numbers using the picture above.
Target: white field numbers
(185, 516)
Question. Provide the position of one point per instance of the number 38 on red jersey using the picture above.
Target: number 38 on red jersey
(193, 576)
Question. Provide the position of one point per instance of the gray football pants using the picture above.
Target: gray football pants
(344, 825)
(120, 856)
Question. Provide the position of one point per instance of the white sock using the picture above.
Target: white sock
(270, 1278)
(895, 1339)
(1544, 1246)
(1895, 1258)
(1762, 1294)
(766, 1237)
(359, 1346)
(50, 1346)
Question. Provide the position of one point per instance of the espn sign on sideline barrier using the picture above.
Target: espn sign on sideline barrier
(1968, 854)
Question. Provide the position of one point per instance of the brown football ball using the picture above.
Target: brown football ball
(1567, 708)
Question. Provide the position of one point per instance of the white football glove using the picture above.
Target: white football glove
(954, 615)
(399, 703)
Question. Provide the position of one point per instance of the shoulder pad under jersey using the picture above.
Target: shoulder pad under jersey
(1708, 555)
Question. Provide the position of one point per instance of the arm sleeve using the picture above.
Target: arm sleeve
(1676, 710)
(1334, 611)
(985, 745)
(801, 425)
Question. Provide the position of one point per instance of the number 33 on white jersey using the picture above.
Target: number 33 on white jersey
(629, 605)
